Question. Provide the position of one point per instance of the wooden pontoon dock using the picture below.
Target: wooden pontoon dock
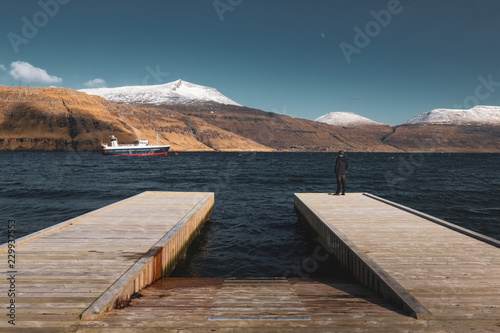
(429, 268)
(84, 267)
(96, 273)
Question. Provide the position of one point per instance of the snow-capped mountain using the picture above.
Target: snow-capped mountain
(478, 115)
(177, 92)
(345, 119)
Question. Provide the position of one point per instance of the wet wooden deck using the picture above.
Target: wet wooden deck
(84, 266)
(452, 272)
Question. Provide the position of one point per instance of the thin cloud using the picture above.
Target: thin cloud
(25, 72)
(95, 83)
(2, 67)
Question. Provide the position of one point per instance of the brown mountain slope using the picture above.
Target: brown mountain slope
(64, 119)
(185, 133)
(286, 133)
(55, 119)
(445, 138)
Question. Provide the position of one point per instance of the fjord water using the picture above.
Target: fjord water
(254, 230)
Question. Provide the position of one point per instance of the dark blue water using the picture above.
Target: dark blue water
(254, 230)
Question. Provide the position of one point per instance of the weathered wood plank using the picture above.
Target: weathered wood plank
(62, 270)
(157, 262)
(448, 269)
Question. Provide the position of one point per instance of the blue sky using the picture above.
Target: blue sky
(385, 60)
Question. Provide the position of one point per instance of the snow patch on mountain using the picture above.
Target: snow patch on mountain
(346, 119)
(177, 92)
(478, 115)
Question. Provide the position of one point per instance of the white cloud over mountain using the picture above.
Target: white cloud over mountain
(25, 72)
(95, 83)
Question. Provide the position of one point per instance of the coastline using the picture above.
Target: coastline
(297, 151)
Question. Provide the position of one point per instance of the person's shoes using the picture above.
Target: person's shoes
(336, 193)
(330, 193)
(343, 193)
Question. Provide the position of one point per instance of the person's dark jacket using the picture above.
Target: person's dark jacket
(341, 165)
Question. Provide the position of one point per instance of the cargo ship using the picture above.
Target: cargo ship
(140, 148)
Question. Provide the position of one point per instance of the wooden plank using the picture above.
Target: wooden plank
(357, 262)
(30, 237)
(132, 281)
(470, 233)
(448, 269)
(62, 270)
(216, 304)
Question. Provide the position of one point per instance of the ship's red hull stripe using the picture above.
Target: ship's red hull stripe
(148, 154)
(151, 154)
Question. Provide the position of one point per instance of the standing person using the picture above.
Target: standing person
(340, 168)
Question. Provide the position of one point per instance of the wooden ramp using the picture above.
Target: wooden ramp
(254, 305)
(85, 266)
(441, 271)
(266, 305)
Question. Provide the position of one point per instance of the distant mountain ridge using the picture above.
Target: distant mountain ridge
(69, 120)
(478, 115)
(346, 119)
(439, 130)
(182, 92)
(177, 92)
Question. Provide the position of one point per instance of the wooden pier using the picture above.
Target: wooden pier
(428, 267)
(96, 273)
(84, 267)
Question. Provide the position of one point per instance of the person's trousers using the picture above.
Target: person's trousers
(340, 181)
